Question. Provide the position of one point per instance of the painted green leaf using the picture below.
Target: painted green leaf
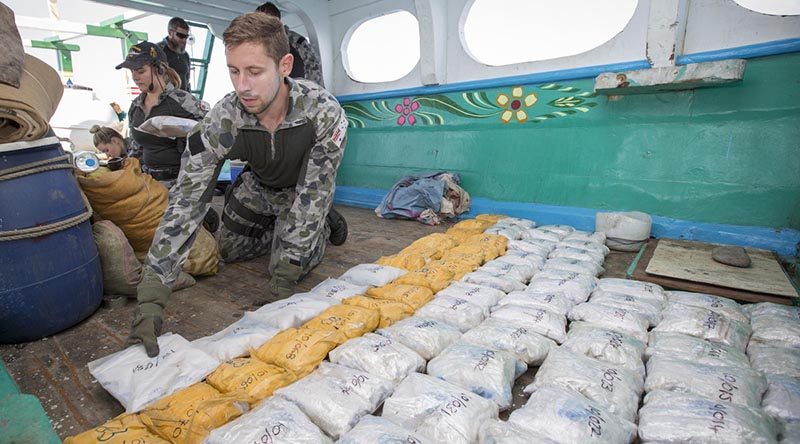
(566, 102)
(358, 109)
(444, 103)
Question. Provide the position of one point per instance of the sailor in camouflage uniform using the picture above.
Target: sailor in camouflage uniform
(292, 135)
(306, 63)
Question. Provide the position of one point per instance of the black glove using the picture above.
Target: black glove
(152, 296)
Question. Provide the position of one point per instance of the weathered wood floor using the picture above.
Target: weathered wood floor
(54, 368)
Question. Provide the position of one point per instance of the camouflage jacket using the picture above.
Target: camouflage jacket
(312, 66)
(210, 143)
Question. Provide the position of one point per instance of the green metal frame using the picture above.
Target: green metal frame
(202, 63)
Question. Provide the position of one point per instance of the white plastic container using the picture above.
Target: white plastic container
(624, 231)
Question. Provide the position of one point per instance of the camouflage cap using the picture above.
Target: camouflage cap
(141, 54)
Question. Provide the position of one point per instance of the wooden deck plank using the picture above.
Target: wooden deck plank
(54, 369)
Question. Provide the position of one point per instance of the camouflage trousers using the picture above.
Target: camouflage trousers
(251, 216)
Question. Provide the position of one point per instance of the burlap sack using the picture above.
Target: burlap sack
(135, 202)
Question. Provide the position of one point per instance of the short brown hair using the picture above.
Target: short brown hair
(257, 27)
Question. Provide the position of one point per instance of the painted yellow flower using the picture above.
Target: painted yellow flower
(514, 105)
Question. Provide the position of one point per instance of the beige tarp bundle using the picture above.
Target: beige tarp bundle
(135, 202)
(25, 112)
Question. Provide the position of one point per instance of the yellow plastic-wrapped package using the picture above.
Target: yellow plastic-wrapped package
(457, 267)
(406, 261)
(414, 295)
(439, 241)
(461, 234)
(251, 377)
(124, 429)
(299, 350)
(500, 243)
(436, 279)
(391, 311)
(188, 416)
(473, 224)
(493, 218)
(347, 321)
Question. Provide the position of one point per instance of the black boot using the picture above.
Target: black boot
(211, 221)
(338, 225)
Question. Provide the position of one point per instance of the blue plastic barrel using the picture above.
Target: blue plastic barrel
(48, 282)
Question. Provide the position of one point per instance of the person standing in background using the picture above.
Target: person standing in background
(306, 64)
(174, 46)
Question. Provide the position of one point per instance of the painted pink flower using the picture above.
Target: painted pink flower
(406, 111)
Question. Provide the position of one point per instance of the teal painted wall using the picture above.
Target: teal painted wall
(727, 154)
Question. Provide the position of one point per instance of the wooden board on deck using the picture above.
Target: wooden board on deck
(687, 265)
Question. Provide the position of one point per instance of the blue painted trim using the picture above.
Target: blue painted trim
(539, 77)
(741, 52)
(783, 241)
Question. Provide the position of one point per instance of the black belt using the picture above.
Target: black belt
(162, 173)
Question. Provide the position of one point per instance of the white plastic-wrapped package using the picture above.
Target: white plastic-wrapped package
(729, 385)
(509, 267)
(499, 334)
(557, 302)
(566, 416)
(536, 234)
(650, 309)
(611, 318)
(509, 232)
(372, 275)
(585, 243)
(335, 397)
(136, 380)
(585, 280)
(379, 355)
(578, 253)
(526, 246)
(704, 324)
(775, 324)
(378, 430)
(338, 289)
(274, 421)
(561, 230)
(293, 311)
(237, 339)
(578, 266)
(596, 237)
(495, 431)
(613, 387)
(515, 222)
(782, 399)
(535, 260)
(694, 349)
(537, 320)
(486, 372)
(770, 309)
(444, 412)
(456, 311)
(427, 337)
(724, 306)
(519, 259)
(633, 288)
(774, 360)
(485, 297)
(606, 345)
(683, 418)
(576, 290)
(506, 285)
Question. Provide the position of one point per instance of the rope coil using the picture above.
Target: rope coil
(56, 163)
